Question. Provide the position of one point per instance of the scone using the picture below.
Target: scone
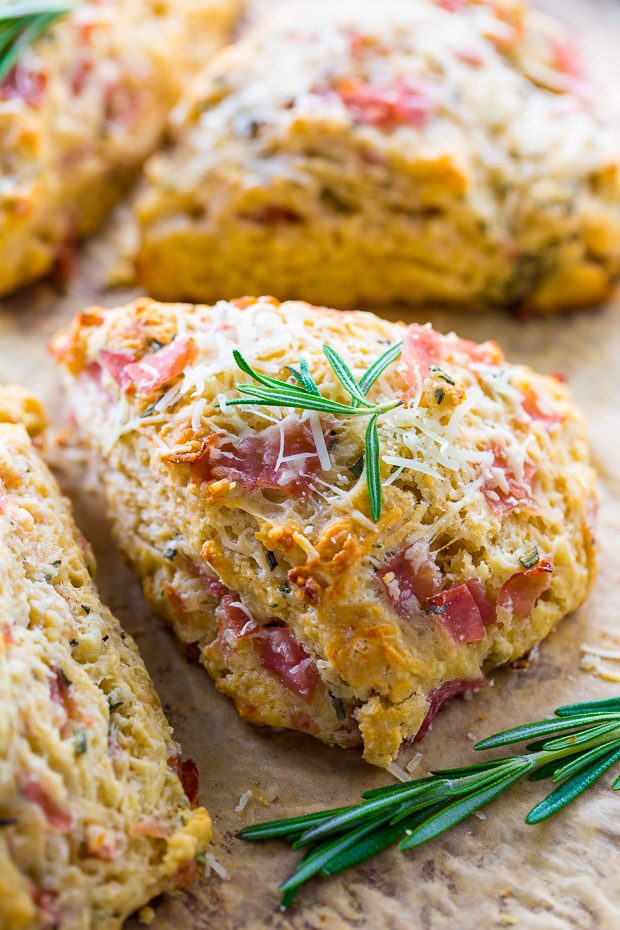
(252, 529)
(81, 110)
(352, 154)
(94, 815)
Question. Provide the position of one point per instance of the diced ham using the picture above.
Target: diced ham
(487, 611)
(213, 586)
(150, 826)
(154, 370)
(32, 790)
(47, 903)
(186, 873)
(422, 347)
(105, 844)
(189, 780)
(505, 492)
(522, 590)
(116, 363)
(487, 353)
(252, 460)
(409, 578)
(271, 214)
(177, 606)
(410, 102)
(288, 660)
(61, 693)
(566, 57)
(21, 83)
(3, 498)
(438, 697)
(232, 615)
(539, 409)
(458, 614)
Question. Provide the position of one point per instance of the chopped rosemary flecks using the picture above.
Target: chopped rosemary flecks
(436, 609)
(106, 638)
(171, 548)
(85, 608)
(272, 562)
(201, 858)
(439, 393)
(357, 467)
(81, 744)
(338, 706)
(305, 395)
(115, 706)
(530, 559)
(442, 374)
(74, 642)
(57, 563)
(8, 821)
(23, 21)
(285, 588)
(585, 743)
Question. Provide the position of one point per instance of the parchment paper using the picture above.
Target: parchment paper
(487, 873)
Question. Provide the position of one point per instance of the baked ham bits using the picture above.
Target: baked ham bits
(251, 525)
(405, 150)
(97, 809)
(81, 109)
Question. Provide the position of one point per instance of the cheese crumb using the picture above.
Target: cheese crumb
(412, 766)
(146, 915)
(243, 800)
(211, 863)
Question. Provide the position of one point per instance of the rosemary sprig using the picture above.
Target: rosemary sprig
(586, 744)
(23, 21)
(305, 395)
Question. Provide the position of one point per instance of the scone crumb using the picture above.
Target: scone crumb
(146, 915)
(243, 800)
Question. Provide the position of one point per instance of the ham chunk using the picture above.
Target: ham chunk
(522, 590)
(503, 490)
(153, 371)
(410, 102)
(438, 697)
(410, 578)
(33, 790)
(263, 460)
(458, 614)
(288, 660)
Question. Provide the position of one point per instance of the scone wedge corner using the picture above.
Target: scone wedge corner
(356, 154)
(94, 818)
(252, 529)
(81, 109)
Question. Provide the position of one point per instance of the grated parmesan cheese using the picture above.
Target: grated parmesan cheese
(243, 800)
(211, 864)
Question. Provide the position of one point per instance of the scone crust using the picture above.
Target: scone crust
(411, 150)
(81, 111)
(484, 465)
(95, 821)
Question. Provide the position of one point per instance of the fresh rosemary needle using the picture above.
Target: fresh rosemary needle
(578, 745)
(305, 395)
(23, 21)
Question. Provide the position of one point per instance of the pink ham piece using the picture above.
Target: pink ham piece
(251, 460)
(150, 826)
(422, 347)
(26, 85)
(458, 614)
(487, 611)
(522, 590)
(153, 371)
(410, 102)
(438, 697)
(508, 493)
(3, 498)
(116, 363)
(288, 660)
(32, 790)
(487, 353)
(189, 780)
(409, 578)
(232, 616)
(60, 692)
(538, 408)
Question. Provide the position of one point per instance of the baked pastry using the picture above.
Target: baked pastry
(81, 110)
(252, 529)
(94, 819)
(356, 154)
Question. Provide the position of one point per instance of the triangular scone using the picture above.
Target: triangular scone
(351, 153)
(251, 526)
(84, 106)
(94, 819)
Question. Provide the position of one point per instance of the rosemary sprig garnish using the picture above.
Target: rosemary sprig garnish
(305, 395)
(23, 21)
(586, 744)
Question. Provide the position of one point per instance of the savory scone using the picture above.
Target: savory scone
(351, 154)
(252, 527)
(81, 110)
(97, 810)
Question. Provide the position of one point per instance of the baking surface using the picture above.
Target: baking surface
(487, 873)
